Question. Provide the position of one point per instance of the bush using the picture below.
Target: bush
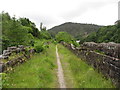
(46, 46)
(75, 43)
(32, 42)
(55, 42)
(39, 48)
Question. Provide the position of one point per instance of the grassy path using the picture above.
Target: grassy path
(39, 72)
(78, 74)
(60, 71)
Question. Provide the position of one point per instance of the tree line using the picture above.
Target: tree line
(20, 31)
(105, 34)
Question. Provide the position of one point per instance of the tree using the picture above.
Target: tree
(42, 28)
(45, 35)
(104, 34)
(31, 27)
(15, 32)
(64, 36)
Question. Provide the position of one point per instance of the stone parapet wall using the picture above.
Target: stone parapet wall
(24, 56)
(111, 49)
(105, 64)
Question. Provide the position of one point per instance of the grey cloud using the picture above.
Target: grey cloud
(47, 21)
(83, 8)
(64, 14)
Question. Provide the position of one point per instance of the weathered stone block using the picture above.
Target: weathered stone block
(12, 49)
(5, 57)
(32, 51)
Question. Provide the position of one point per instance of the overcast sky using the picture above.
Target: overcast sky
(55, 12)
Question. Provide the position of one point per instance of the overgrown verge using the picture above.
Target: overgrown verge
(14, 56)
(39, 72)
(84, 76)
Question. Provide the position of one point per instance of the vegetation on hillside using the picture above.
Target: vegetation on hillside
(20, 31)
(104, 34)
(77, 30)
(65, 37)
(89, 32)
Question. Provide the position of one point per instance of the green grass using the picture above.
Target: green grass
(100, 52)
(38, 72)
(78, 74)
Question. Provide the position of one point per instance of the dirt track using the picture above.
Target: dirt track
(60, 71)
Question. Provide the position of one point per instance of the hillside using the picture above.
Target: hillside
(104, 34)
(75, 29)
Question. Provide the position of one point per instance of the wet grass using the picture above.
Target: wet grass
(78, 74)
(38, 72)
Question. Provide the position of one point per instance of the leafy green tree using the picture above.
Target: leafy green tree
(30, 26)
(118, 23)
(44, 34)
(15, 33)
(64, 36)
(42, 28)
(6, 24)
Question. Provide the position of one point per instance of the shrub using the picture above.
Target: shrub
(75, 43)
(39, 48)
(55, 42)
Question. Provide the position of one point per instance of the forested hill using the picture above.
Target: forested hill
(75, 29)
(104, 34)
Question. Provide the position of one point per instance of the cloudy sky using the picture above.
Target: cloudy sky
(55, 12)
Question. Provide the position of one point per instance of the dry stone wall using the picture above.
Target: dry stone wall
(108, 65)
(111, 49)
(25, 55)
